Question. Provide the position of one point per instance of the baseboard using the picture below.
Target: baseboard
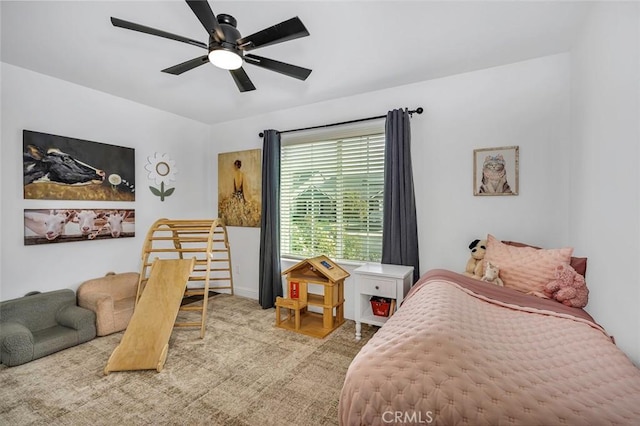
(245, 292)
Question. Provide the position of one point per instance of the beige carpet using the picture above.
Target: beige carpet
(244, 372)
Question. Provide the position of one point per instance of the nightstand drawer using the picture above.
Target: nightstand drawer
(378, 287)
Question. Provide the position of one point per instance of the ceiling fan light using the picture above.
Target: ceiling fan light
(225, 59)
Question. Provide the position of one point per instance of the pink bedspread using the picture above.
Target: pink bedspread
(460, 351)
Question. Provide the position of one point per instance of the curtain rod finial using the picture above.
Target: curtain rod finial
(261, 134)
(418, 110)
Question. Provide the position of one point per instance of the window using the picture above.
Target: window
(332, 195)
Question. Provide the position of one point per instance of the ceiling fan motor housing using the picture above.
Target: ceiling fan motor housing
(231, 34)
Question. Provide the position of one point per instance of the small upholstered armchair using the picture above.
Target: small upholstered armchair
(40, 324)
(112, 298)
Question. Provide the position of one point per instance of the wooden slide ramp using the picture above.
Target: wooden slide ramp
(145, 343)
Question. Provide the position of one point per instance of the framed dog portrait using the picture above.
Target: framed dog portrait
(495, 171)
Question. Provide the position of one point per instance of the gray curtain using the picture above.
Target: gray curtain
(400, 226)
(270, 280)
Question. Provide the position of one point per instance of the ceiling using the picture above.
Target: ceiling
(354, 47)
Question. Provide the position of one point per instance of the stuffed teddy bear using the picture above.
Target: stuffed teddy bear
(474, 264)
(568, 287)
(492, 274)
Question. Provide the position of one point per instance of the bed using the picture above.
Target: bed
(461, 351)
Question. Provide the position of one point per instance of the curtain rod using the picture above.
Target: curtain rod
(418, 110)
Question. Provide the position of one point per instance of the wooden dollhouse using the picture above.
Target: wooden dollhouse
(321, 273)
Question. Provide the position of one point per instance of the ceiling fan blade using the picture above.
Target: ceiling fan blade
(206, 16)
(148, 30)
(277, 66)
(186, 66)
(242, 80)
(284, 31)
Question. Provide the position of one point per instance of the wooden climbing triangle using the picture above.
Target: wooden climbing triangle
(205, 240)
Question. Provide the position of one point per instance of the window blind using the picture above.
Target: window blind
(332, 196)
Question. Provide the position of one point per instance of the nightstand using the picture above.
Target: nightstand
(375, 279)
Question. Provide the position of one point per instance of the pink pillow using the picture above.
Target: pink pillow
(577, 263)
(525, 268)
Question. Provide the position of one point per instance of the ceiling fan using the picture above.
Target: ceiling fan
(227, 48)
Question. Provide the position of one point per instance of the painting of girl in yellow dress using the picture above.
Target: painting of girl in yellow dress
(240, 187)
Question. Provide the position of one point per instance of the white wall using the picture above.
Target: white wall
(37, 102)
(524, 104)
(605, 186)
